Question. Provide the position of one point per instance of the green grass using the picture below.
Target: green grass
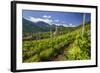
(69, 46)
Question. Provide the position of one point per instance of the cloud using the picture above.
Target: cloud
(33, 19)
(71, 25)
(49, 21)
(58, 24)
(66, 25)
(63, 22)
(47, 16)
(56, 20)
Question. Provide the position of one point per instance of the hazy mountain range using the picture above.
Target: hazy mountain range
(41, 26)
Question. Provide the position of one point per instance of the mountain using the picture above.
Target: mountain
(40, 26)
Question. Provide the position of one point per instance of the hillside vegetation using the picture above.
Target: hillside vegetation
(66, 44)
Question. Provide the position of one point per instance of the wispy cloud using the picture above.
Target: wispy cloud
(66, 25)
(56, 20)
(46, 16)
(33, 19)
(71, 25)
(49, 21)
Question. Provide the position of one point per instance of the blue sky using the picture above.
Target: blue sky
(66, 18)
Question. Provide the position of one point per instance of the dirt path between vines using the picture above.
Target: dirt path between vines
(63, 55)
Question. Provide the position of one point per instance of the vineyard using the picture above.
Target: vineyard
(63, 46)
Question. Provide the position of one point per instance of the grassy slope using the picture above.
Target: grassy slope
(70, 52)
